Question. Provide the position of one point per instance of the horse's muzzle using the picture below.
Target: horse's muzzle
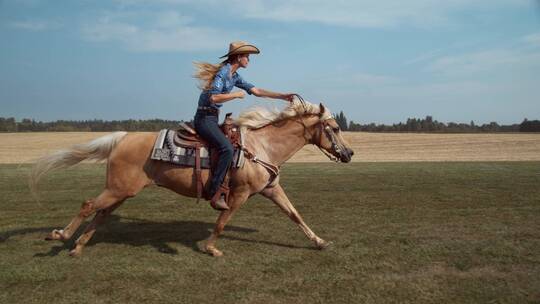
(346, 155)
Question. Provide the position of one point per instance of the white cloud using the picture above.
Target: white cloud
(350, 13)
(25, 2)
(497, 60)
(34, 25)
(371, 79)
(424, 57)
(342, 13)
(163, 31)
(532, 39)
(345, 77)
(169, 19)
(365, 13)
(146, 2)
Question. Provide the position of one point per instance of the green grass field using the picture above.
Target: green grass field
(402, 233)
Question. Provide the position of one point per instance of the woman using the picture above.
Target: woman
(217, 82)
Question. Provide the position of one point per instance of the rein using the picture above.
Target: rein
(273, 169)
(325, 128)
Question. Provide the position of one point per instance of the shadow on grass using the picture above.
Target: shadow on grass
(4, 236)
(140, 232)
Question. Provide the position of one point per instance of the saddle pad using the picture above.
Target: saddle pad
(166, 150)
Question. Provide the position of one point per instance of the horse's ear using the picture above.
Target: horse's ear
(322, 109)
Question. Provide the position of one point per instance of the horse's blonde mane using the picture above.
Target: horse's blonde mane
(258, 117)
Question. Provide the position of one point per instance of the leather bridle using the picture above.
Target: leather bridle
(326, 129)
(336, 147)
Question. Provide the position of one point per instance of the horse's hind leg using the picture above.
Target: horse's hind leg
(66, 233)
(236, 200)
(101, 203)
(91, 228)
(122, 183)
(104, 204)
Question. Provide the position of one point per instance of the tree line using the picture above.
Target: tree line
(97, 125)
(427, 124)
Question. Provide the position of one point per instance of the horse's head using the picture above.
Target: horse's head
(317, 124)
(328, 137)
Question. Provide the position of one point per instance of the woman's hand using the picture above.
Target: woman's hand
(288, 96)
(239, 94)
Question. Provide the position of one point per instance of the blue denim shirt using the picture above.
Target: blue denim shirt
(223, 83)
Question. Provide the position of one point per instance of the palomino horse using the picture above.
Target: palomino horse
(272, 136)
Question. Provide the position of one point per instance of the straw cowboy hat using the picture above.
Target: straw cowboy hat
(241, 47)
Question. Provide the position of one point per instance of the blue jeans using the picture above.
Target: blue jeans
(207, 127)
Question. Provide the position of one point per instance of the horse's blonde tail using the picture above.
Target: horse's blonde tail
(98, 149)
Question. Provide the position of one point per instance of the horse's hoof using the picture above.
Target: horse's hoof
(323, 245)
(75, 253)
(213, 251)
(56, 235)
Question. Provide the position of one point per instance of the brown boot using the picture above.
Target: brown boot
(220, 198)
(219, 203)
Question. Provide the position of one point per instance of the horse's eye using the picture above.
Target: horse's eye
(336, 129)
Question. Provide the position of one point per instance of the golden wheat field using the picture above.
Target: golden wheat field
(368, 147)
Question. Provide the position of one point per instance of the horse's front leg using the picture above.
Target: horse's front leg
(236, 199)
(278, 196)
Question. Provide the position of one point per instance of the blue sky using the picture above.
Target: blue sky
(378, 61)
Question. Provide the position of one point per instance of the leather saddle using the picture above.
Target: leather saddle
(186, 136)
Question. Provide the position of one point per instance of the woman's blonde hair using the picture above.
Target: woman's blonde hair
(206, 72)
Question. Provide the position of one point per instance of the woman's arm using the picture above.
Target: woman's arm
(221, 98)
(264, 93)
